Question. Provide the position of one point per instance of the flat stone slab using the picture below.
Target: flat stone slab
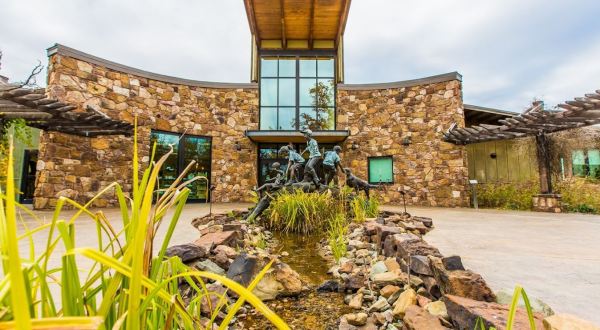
(211, 240)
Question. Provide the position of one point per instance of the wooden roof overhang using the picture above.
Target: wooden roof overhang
(580, 112)
(297, 24)
(476, 115)
(32, 105)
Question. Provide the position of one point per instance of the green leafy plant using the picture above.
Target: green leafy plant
(510, 196)
(363, 208)
(129, 285)
(302, 212)
(580, 195)
(512, 312)
(336, 236)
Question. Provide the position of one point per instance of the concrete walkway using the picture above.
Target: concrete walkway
(555, 257)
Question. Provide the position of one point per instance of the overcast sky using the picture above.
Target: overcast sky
(508, 51)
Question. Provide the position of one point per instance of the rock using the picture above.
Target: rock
(453, 263)
(463, 283)
(344, 325)
(210, 302)
(378, 268)
(242, 269)
(268, 288)
(389, 290)
(427, 222)
(420, 265)
(422, 301)
(392, 264)
(380, 305)
(437, 308)
(432, 287)
(229, 251)
(416, 318)
(221, 259)
(567, 322)
(232, 226)
(356, 301)
(329, 286)
(346, 267)
(356, 244)
(464, 313)
(358, 319)
(403, 245)
(289, 278)
(211, 240)
(406, 298)
(186, 252)
(362, 253)
(394, 297)
(389, 278)
(354, 282)
(504, 297)
(209, 266)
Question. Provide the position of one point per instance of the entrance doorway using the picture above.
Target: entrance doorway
(30, 158)
(185, 150)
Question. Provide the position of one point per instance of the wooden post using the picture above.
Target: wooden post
(543, 158)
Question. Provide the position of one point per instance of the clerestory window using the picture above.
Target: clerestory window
(297, 92)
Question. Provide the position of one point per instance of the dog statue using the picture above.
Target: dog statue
(357, 183)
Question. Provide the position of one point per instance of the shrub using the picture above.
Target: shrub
(301, 212)
(511, 196)
(126, 286)
(580, 195)
(363, 208)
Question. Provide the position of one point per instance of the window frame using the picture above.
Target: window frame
(181, 165)
(297, 56)
(369, 169)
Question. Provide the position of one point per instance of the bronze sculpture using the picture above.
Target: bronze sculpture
(295, 163)
(314, 155)
(331, 163)
(357, 183)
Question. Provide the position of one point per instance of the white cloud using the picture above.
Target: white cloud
(509, 51)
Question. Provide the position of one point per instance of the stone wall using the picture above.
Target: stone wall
(79, 167)
(380, 116)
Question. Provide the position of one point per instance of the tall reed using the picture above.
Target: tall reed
(130, 284)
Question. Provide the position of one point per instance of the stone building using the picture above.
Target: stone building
(391, 133)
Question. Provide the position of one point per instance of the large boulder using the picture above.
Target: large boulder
(186, 252)
(463, 283)
(420, 265)
(464, 313)
(243, 269)
(567, 322)
(407, 244)
(279, 281)
(416, 318)
(211, 240)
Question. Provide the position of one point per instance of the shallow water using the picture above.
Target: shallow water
(311, 310)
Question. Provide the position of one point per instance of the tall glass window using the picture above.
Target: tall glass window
(297, 92)
(185, 150)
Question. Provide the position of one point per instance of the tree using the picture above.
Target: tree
(323, 117)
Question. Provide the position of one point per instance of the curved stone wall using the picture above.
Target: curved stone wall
(380, 116)
(80, 167)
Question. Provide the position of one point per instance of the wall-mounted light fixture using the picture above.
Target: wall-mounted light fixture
(406, 141)
(493, 155)
(237, 146)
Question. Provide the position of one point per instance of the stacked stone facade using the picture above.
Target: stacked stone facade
(380, 118)
(80, 167)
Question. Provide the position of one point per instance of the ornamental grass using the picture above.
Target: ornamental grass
(130, 285)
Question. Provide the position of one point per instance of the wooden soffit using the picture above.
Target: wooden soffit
(297, 24)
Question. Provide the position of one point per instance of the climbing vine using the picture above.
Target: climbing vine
(21, 132)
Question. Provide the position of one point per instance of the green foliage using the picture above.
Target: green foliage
(363, 208)
(21, 132)
(580, 195)
(301, 212)
(510, 196)
(336, 236)
(518, 293)
(129, 285)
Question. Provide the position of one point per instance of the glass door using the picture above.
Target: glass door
(185, 150)
(28, 176)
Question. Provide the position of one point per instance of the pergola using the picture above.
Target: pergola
(40, 111)
(535, 121)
